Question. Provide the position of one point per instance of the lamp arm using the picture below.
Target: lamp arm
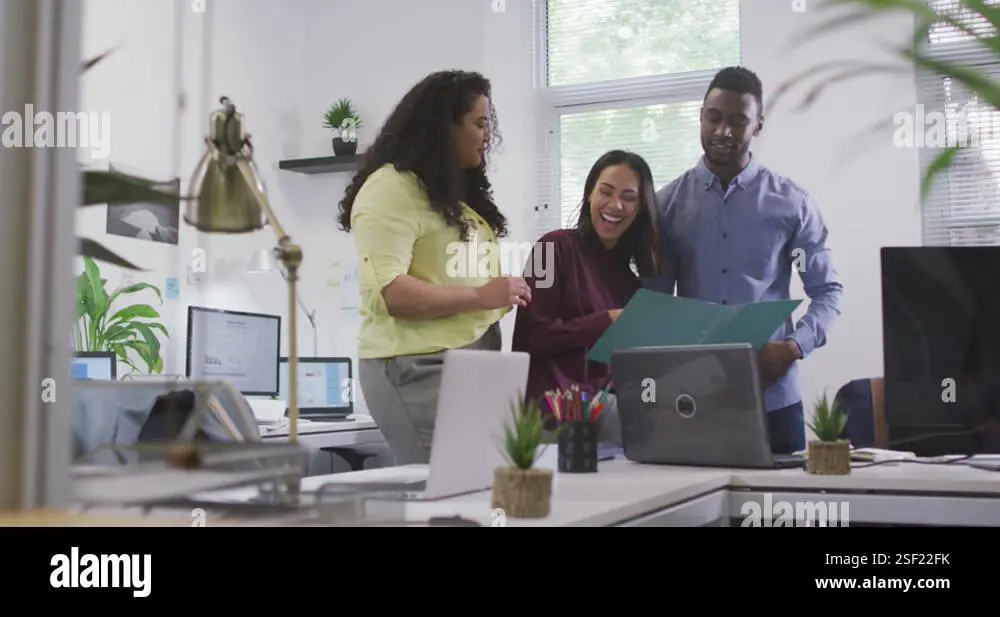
(245, 165)
(310, 315)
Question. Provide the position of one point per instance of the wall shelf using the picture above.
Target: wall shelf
(322, 164)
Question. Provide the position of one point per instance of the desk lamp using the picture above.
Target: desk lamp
(262, 262)
(228, 196)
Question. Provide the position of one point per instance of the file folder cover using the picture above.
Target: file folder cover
(655, 319)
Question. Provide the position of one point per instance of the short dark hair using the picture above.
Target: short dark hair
(740, 80)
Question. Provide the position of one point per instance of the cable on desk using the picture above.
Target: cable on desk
(961, 458)
(924, 436)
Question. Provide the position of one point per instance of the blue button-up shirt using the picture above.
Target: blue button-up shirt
(740, 245)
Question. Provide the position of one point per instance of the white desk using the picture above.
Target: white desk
(627, 494)
(360, 431)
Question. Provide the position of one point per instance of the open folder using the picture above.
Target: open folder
(655, 319)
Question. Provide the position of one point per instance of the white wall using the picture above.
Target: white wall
(867, 189)
(138, 85)
(283, 63)
(312, 57)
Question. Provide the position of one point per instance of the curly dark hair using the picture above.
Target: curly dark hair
(417, 137)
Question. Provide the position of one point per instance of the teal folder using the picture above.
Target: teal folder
(655, 319)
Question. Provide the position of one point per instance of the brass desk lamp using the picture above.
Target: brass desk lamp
(228, 196)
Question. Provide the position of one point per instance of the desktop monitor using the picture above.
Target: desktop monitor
(241, 349)
(325, 386)
(941, 348)
(94, 365)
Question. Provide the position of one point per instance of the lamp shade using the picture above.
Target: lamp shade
(228, 194)
(261, 262)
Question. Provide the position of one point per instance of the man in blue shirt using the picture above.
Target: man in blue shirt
(732, 232)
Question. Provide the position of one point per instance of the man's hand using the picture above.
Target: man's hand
(775, 359)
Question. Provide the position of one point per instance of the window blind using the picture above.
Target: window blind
(962, 208)
(628, 74)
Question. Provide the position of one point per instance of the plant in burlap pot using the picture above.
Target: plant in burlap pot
(828, 454)
(519, 489)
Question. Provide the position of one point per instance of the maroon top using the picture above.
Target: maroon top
(564, 320)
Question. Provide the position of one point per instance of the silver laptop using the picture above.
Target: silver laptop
(478, 389)
(696, 405)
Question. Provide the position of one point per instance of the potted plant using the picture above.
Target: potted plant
(519, 489)
(129, 331)
(972, 18)
(828, 454)
(344, 120)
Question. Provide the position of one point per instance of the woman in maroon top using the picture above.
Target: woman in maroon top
(585, 276)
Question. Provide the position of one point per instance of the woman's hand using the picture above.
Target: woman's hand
(503, 292)
(615, 313)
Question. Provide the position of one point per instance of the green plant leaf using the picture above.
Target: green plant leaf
(913, 56)
(89, 64)
(939, 165)
(97, 251)
(135, 288)
(133, 312)
(339, 112)
(132, 340)
(117, 188)
(523, 436)
(828, 421)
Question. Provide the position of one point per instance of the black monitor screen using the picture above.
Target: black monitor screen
(941, 341)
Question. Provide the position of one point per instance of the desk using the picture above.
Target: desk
(360, 431)
(625, 494)
(339, 438)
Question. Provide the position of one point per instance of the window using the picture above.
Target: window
(627, 74)
(962, 208)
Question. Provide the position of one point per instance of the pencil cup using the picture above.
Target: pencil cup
(578, 447)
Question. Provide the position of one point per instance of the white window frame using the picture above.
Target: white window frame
(557, 101)
(957, 51)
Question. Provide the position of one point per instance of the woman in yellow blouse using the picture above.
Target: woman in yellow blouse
(421, 197)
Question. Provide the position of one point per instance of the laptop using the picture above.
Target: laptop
(478, 389)
(699, 405)
(269, 414)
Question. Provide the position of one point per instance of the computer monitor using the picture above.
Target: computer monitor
(941, 347)
(239, 348)
(325, 386)
(94, 365)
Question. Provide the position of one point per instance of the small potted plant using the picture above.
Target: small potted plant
(344, 121)
(828, 454)
(519, 489)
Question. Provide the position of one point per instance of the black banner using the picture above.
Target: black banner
(242, 567)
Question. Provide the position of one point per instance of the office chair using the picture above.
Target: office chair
(864, 402)
(355, 457)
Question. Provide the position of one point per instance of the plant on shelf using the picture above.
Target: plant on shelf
(344, 121)
(828, 454)
(127, 331)
(520, 489)
(110, 187)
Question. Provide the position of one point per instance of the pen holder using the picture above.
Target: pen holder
(578, 447)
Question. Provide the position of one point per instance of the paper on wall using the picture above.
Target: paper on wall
(342, 283)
